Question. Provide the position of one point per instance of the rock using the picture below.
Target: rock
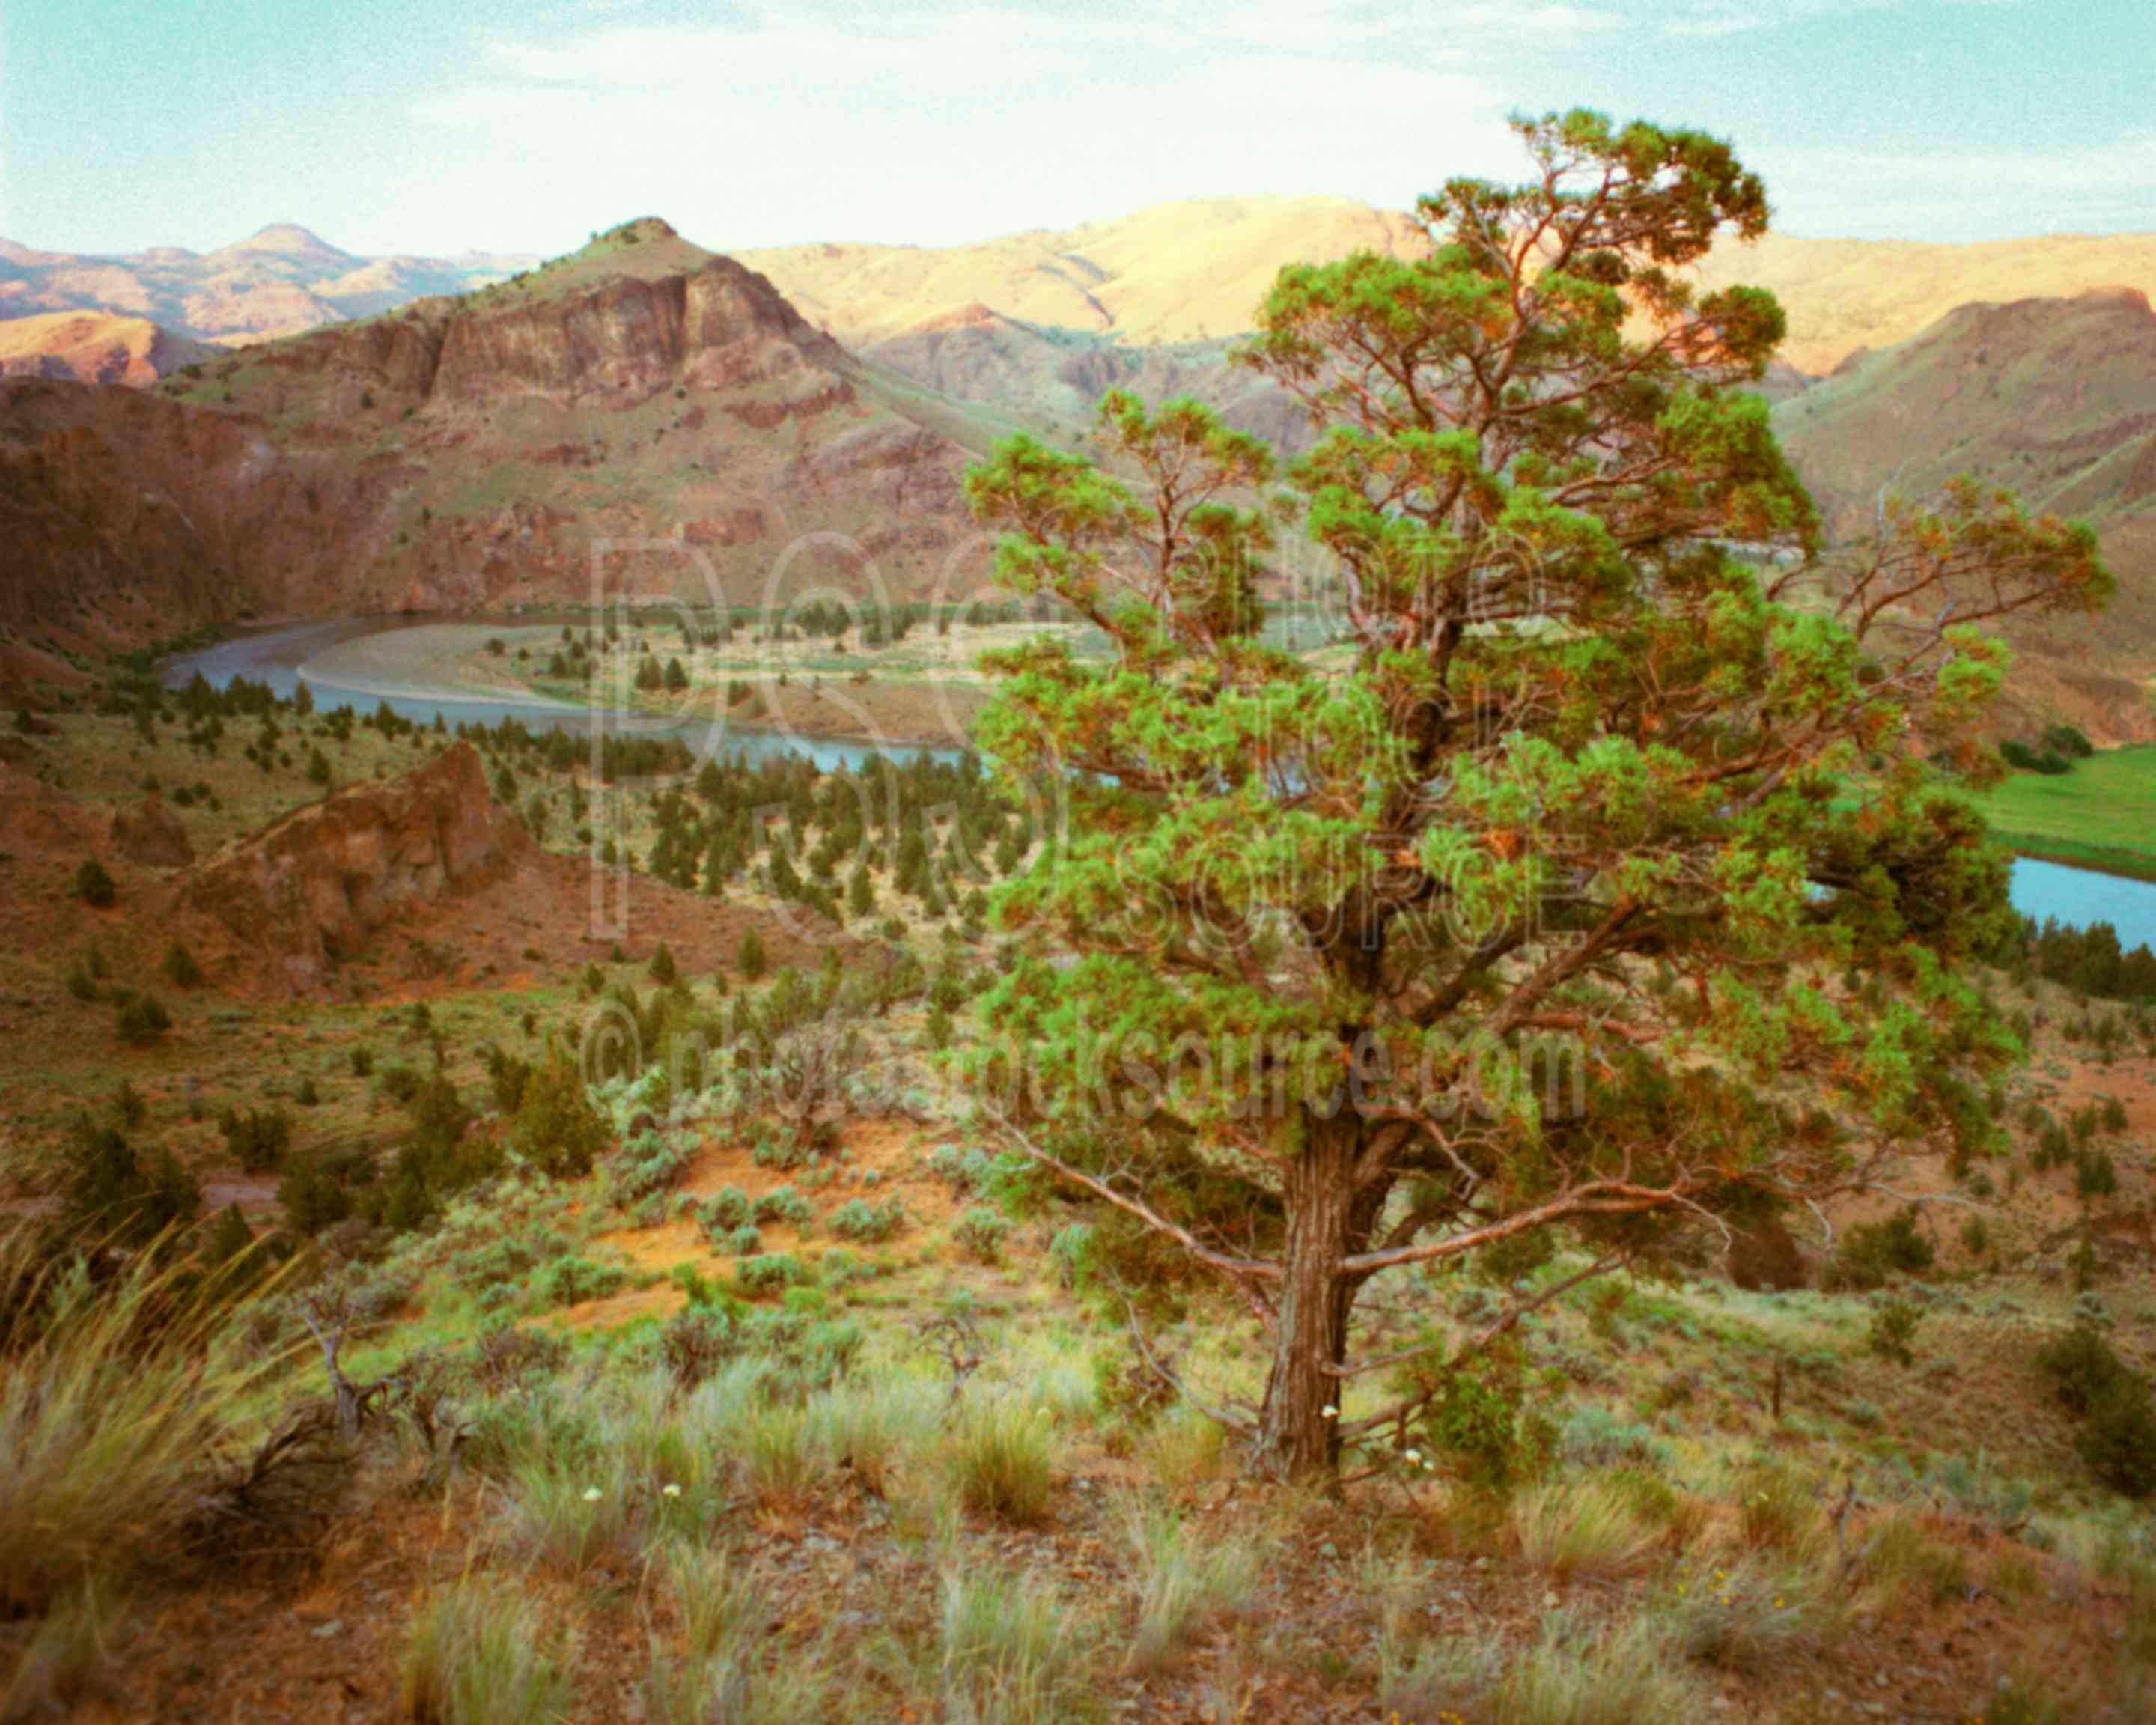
(151, 834)
(315, 884)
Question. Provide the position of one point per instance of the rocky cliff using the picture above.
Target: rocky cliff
(486, 450)
(315, 886)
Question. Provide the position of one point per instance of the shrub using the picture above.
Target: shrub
(726, 1209)
(2082, 1366)
(257, 1139)
(141, 1020)
(313, 1195)
(179, 968)
(862, 1222)
(556, 1129)
(981, 1232)
(769, 1274)
(2118, 1442)
(1868, 1254)
(93, 886)
(782, 1204)
(2094, 1175)
(474, 1656)
(1893, 1328)
(572, 1281)
(106, 1190)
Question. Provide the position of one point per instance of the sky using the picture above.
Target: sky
(438, 127)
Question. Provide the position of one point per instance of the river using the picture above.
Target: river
(279, 657)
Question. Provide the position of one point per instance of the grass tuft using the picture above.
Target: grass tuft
(474, 1655)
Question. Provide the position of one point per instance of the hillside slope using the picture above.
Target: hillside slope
(95, 347)
(2055, 398)
(1847, 296)
(486, 450)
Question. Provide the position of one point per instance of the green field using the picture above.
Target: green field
(2101, 815)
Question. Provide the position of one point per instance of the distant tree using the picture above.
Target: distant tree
(1619, 776)
(751, 960)
(94, 886)
(557, 1128)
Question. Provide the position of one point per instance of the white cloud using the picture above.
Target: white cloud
(952, 124)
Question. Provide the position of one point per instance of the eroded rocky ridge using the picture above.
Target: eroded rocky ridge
(315, 886)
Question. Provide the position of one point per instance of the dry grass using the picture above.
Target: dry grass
(1000, 1457)
(112, 1414)
(1186, 1580)
(475, 1655)
(1588, 1527)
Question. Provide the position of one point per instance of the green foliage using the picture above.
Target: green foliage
(1893, 1328)
(2118, 1438)
(863, 1223)
(770, 1273)
(256, 1138)
(93, 886)
(1537, 455)
(106, 1191)
(556, 1129)
(179, 968)
(1868, 1254)
(981, 1232)
(782, 1204)
(142, 1019)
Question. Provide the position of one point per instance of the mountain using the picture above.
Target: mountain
(95, 347)
(1179, 272)
(978, 355)
(1171, 272)
(2053, 396)
(643, 411)
(275, 282)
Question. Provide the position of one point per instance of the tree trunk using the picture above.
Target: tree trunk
(1326, 1220)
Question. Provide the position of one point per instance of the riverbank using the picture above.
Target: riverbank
(2101, 816)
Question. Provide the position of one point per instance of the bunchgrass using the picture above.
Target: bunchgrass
(1185, 1581)
(1000, 1455)
(112, 1406)
(1013, 1648)
(474, 1655)
(1585, 1527)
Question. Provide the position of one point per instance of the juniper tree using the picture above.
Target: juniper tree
(1614, 757)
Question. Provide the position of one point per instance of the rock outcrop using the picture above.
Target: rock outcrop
(315, 886)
